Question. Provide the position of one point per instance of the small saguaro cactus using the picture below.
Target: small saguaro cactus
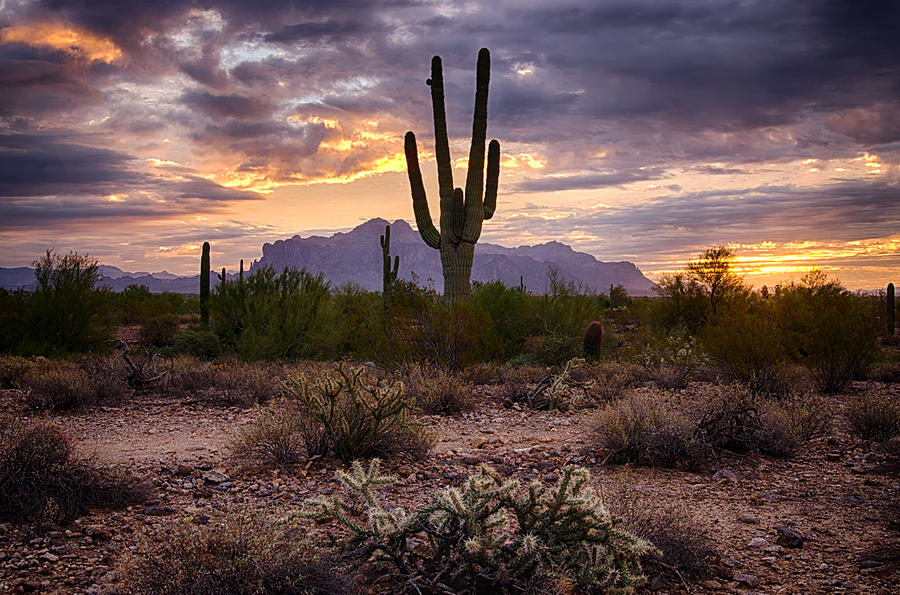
(204, 285)
(388, 276)
(462, 215)
(593, 339)
(890, 310)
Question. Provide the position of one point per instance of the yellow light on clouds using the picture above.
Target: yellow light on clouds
(63, 37)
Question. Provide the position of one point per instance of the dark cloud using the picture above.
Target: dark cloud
(588, 181)
(228, 106)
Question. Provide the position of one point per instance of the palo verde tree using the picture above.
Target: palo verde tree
(462, 214)
(714, 272)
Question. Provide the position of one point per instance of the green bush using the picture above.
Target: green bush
(874, 416)
(160, 330)
(563, 538)
(828, 329)
(358, 416)
(643, 430)
(243, 554)
(198, 342)
(270, 315)
(40, 480)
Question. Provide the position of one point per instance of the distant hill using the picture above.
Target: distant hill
(355, 257)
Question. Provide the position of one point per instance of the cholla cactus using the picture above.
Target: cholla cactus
(560, 391)
(463, 540)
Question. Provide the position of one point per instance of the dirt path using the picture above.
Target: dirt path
(833, 493)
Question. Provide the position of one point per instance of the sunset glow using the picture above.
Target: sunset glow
(134, 134)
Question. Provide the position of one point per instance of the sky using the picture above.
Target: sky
(639, 130)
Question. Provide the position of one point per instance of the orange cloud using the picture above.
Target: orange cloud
(65, 37)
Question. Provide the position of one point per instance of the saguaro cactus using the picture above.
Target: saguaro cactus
(388, 276)
(462, 215)
(890, 310)
(204, 285)
(593, 340)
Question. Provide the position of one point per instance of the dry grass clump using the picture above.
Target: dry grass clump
(274, 437)
(484, 373)
(13, 369)
(242, 554)
(57, 385)
(684, 544)
(887, 372)
(40, 480)
(643, 429)
(733, 418)
(612, 379)
(436, 391)
(874, 416)
(226, 382)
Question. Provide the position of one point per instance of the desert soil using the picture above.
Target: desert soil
(837, 493)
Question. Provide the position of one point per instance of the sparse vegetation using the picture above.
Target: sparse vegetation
(244, 553)
(436, 391)
(40, 480)
(874, 416)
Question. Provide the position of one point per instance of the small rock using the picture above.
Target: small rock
(215, 477)
(789, 537)
(747, 518)
(50, 557)
(757, 543)
(656, 583)
(712, 584)
(725, 474)
(746, 579)
(870, 564)
(184, 470)
(201, 519)
(768, 496)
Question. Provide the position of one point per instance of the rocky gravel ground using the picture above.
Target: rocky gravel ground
(825, 521)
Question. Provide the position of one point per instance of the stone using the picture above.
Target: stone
(746, 579)
(758, 543)
(50, 557)
(215, 477)
(747, 518)
(724, 474)
(789, 537)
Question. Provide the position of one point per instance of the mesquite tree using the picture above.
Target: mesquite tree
(462, 214)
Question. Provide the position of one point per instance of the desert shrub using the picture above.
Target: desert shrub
(874, 416)
(198, 342)
(746, 347)
(830, 330)
(226, 382)
(888, 372)
(436, 391)
(108, 377)
(561, 391)
(733, 418)
(359, 416)
(643, 430)
(65, 312)
(137, 305)
(484, 373)
(808, 415)
(57, 385)
(563, 537)
(682, 543)
(244, 554)
(421, 328)
(673, 362)
(612, 378)
(270, 315)
(273, 437)
(159, 330)
(13, 370)
(40, 480)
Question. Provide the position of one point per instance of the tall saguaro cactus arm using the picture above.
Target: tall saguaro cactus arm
(462, 213)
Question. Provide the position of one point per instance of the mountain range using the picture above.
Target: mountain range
(355, 257)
